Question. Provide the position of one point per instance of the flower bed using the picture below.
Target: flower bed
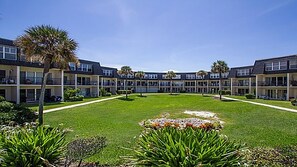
(181, 123)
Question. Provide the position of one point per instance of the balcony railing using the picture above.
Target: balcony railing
(293, 83)
(8, 80)
(87, 83)
(265, 83)
(240, 84)
(38, 81)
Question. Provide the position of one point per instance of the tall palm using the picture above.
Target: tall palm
(170, 75)
(140, 75)
(202, 74)
(220, 67)
(49, 46)
(125, 70)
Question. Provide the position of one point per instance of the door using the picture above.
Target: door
(2, 77)
(23, 95)
(2, 93)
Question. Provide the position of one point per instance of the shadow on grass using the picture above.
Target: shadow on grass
(141, 96)
(228, 100)
(174, 94)
(124, 99)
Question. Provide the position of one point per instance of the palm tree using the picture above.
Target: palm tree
(49, 46)
(140, 75)
(202, 74)
(170, 75)
(125, 70)
(220, 67)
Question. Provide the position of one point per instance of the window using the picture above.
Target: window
(293, 64)
(107, 72)
(84, 67)
(277, 65)
(190, 76)
(72, 66)
(9, 53)
(243, 72)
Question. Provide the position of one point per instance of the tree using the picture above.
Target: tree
(202, 74)
(125, 71)
(140, 75)
(170, 75)
(50, 46)
(220, 67)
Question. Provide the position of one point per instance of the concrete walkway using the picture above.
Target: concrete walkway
(80, 104)
(261, 104)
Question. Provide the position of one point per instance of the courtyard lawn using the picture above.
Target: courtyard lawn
(118, 120)
(62, 104)
(280, 103)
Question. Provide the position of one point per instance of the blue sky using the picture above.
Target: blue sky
(161, 35)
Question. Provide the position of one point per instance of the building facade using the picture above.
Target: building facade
(20, 80)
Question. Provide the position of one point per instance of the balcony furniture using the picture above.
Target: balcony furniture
(28, 81)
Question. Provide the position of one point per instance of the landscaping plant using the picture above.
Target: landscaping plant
(71, 94)
(36, 146)
(175, 147)
(80, 149)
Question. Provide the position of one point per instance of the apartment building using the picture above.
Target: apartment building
(20, 80)
(276, 78)
(242, 80)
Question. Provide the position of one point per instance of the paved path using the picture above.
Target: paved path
(80, 104)
(261, 104)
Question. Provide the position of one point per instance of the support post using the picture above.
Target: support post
(288, 86)
(257, 93)
(18, 89)
(62, 84)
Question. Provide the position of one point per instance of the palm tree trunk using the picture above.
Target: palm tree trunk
(220, 86)
(47, 64)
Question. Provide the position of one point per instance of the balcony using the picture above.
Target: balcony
(265, 83)
(38, 81)
(240, 84)
(8, 80)
(293, 83)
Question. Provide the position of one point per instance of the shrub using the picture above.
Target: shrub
(80, 149)
(41, 146)
(182, 91)
(124, 91)
(108, 94)
(294, 102)
(250, 96)
(71, 94)
(19, 114)
(76, 98)
(225, 92)
(102, 91)
(281, 156)
(160, 91)
(2, 98)
(186, 147)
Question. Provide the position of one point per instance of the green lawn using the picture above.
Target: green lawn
(280, 103)
(62, 104)
(118, 121)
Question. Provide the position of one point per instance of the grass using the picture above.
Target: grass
(118, 120)
(280, 103)
(62, 104)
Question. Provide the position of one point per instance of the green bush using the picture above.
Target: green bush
(182, 91)
(80, 149)
(186, 147)
(225, 92)
(107, 94)
(41, 146)
(294, 102)
(124, 92)
(250, 96)
(71, 94)
(76, 98)
(2, 98)
(103, 92)
(18, 114)
(160, 91)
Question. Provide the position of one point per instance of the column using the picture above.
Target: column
(102, 83)
(159, 85)
(147, 86)
(207, 87)
(195, 86)
(116, 84)
(250, 85)
(231, 83)
(183, 85)
(98, 86)
(288, 86)
(62, 84)
(257, 77)
(75, 81)
(18, 88)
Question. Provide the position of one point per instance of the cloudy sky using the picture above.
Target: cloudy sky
(161, 35)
